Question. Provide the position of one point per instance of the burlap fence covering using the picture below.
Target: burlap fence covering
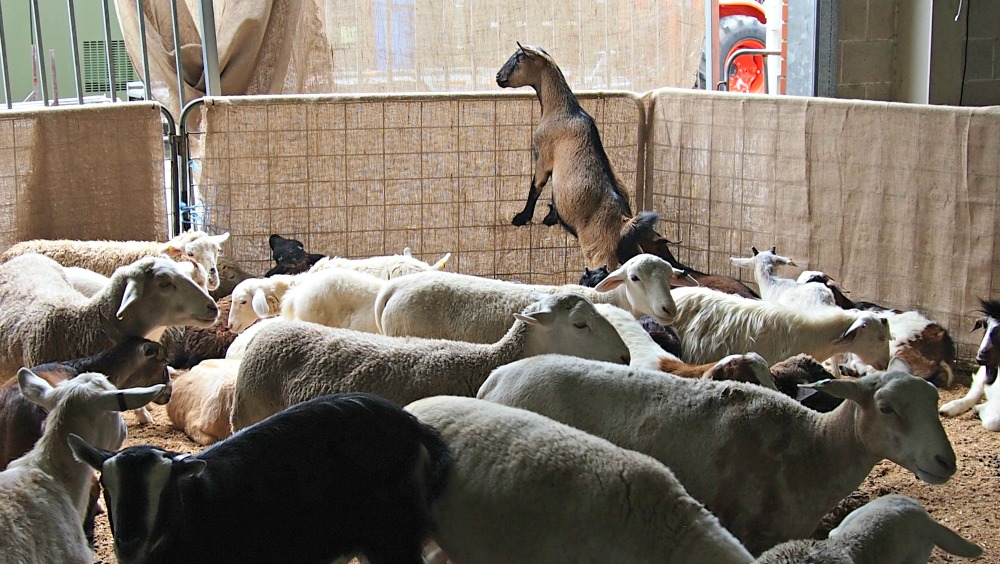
(82, 173)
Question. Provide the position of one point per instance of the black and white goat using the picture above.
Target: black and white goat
(335, 476)
(984, 381)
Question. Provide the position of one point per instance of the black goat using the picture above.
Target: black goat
(290, 256)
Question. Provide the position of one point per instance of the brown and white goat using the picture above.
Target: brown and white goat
(587, 197)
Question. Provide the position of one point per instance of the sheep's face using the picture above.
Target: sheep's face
(988, 354)
(253, 299)
(206, 252)
(868, 337)
(522, 68)
(647, 286)
(569, 324)
(158, 294)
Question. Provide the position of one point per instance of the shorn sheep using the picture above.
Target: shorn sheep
(335, 297)
(202, 399)
(790, 465)
(984, 381)
(44, 319)
(713, 325)
(445, 305)
(893, 529)
(258, 298)
(384, 267)
(587, 197)
(292, 361)
(44, 494)
(338, 476)
(525, 488)
(104, 257)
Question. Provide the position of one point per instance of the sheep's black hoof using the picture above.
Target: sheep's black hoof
(521, 219)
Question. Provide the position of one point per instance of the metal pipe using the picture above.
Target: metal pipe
(74, 51)
(724, 83)
(36, 23)
(107, 51)
(55, 79)
(210, 50)
(184, 181)
(711, 41)
(3, 64)
(146, 89)
(175, 223)
(177, 54)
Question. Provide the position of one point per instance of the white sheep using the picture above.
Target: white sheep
(88, 282)
(893, 529)
(45, 319)
(766, 466)
(104, 257)
(293, 361)
(779, 290)
(713, 325)
(202, 399)
(445, 305)
(44, 494)
(384, 267)
(984, 381)
(238, 347)
(258, 298)
(335, 297)
(525, 488)
(646, 353)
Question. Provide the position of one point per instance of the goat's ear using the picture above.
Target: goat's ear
(852, 332)
(89, 455)
(897, 364)
(260, 303)
(130, 398)
(133, 291)
(407, 252)
(189, 466)
(614, 279)
(755, 251)
(741, 262)
(219, 239)
(34, 387)
(774, 250)
(841, 388)
(980, 324)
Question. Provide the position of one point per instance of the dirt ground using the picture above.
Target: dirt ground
(969, 503)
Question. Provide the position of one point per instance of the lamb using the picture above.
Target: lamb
(258, 298)
(337, 476)
(984, 381)
(893, 529)
(645, 353)
(202, 399)
(292, 361)
(44, 494)
(290, 256)
(560, 494)
(713, 324)
(335, 297)
(783, 291)
(789, 464)
(587, 197)
(44, 319)
(384, 267)
(444, 305)
(104, 257)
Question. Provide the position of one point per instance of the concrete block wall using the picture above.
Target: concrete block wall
(868, 41)
(982, 75)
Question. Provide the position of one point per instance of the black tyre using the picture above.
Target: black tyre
(748, 72)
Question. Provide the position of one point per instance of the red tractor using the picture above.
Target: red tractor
(741, 26)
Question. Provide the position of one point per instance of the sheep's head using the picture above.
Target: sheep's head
(569, 324)
(646, 279)
(203, 249)
(156, 294)
(523, 67)
(988, 354)
(256, 298)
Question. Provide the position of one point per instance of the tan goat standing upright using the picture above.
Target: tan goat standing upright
(587, 198)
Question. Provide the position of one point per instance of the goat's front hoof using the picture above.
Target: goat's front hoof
(521, 219)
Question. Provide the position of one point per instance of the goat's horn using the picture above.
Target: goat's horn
(755, 251)
(519, 45)
(774, 249)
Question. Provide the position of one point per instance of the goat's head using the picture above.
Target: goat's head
(591, 278)
(767, 259)
(988, 354)
(523, 67)
(897, 418)
(290, 256)
(647, 286)
(568, 323)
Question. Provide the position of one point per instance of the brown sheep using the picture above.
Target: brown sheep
(197, 343)
(587, 197)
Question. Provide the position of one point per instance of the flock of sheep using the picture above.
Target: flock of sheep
(388, 409)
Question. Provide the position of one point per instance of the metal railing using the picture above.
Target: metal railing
(724, 83)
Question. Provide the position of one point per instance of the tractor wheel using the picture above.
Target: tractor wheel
(747, 73)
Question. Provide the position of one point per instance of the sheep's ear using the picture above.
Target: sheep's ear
(219, 239)
(89, 455)
(851, 333)
(439, 265)
(897, 364)
(260, 305)
(407, 252)
(34, 387)
(543, 317)
(841, 388)
(173, 251)
(133, 290)
(131, 398)
(614, 279)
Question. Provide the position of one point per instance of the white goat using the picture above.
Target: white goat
(789, 464)
(783, 291)
(335, 297)
(292, 361)
(712, 325)
(444, 305)
(525, 488)
(984, 381)
(44, 494)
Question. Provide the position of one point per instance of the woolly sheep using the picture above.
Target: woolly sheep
(779, 290)
(258, 298)
(445, 305)
(335, 297)
(44, 319)
(104, 257)
(893, 529)
(984, 381)
(292, 361)
(525, 488)
(199, 343)
(202, 399)
(384, 267)
(239, 346)
(713, 324)
(789, 464)
(230, 274)
(44, 494)
(645, 353)
(587, 197)
(338, 476)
